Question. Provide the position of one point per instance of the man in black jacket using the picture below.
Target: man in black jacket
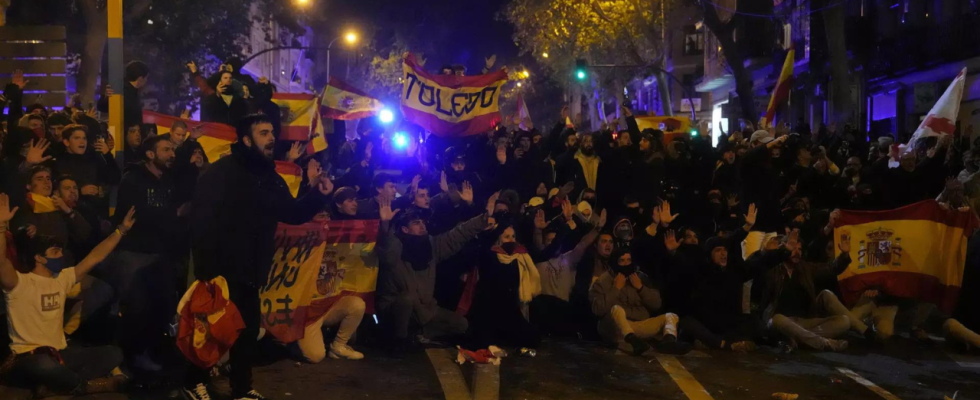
(145, 256)
(237, 205)
(136, 77)
(224, 106)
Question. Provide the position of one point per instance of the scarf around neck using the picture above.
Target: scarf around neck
(590, 167)
(530, 280)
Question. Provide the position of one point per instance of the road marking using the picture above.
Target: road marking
(690, 386)
(868, 384)
(449, 374)
(963, 361)
(486, 382)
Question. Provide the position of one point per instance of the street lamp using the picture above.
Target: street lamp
(350, 38)
(545, 54)
(302, 3)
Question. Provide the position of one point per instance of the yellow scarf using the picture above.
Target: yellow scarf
(530, 284)
(590, 167)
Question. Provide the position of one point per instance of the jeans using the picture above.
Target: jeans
(814, 332)
(146, 297)
(241, 356)
(346, 314)
(745, 328)
(81, 364)
(398, 317)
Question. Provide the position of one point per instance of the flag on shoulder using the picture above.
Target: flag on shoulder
(345, 102)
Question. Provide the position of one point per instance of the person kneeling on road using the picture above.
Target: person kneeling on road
(35, 297)
(624, 299)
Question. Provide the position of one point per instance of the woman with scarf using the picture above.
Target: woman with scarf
(508, 281)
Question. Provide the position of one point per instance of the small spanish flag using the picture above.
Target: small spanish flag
(217, 138)
(345, 102)
(292, 174)
(781, 91)
(40, 204)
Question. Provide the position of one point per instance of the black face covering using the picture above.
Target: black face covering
(509, 247)
(634, 214)
(626, 270)
(416, 250)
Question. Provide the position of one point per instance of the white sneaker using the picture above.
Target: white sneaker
(199, 392)
(344, 351)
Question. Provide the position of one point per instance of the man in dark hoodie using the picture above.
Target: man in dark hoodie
(136, 77)
(224, 106)
(145, 256)
(759, 179)
(92, 171)
(237, 205)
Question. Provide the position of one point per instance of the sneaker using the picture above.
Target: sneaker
(252, 395)
(836, 345)
(745, 346)
(640, 346)
(344, 351)
(199, 392)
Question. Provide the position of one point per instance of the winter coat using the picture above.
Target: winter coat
(638, 304)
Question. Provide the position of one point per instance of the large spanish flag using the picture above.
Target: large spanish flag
(292, 174)
(345, 102)
(917, 251)
(301, 119)
(217, 138)
(314, 267)
(450, 105)
(781, 91)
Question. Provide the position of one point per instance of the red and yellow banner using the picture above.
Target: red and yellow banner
(917, 251)
(345, 102)
(314, 267)
(781, 91)
(217, 138)
(450, 105)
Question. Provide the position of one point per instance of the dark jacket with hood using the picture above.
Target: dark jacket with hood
(237, 205)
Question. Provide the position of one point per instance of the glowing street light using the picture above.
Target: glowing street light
(518, 84)
(525, 74)
(302, 3)
(545, 54)
(350, 37)
(386, 116)
(400, 140)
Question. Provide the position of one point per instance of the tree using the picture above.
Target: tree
(840, 76)
(724, 31)
(618, 32)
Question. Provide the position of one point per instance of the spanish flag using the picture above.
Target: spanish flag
(781, 91)
(917, 251)
(301, 120)
(217, 138)
(345, 102)
(40, 204)
(292, 174)
(314, 267)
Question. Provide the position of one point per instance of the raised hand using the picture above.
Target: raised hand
(732, 200)
(602, 219)
(196, 132)
(502, 154)
(385, 210)
(192, 66)
(415, 183)
(91, 112)
(490, 61)
(31, 231)
(665, 216)
(657, 211)
(35, 154)
(101, 147)
(443, 184)
(18, 79)
(845, 243)
(295, 151)
(221, 88)
(626, 111)
(186, 114)
(89, 190)
(635, 281)
(492, 202)
(467, 193)
(313, 172)
(539, 221)
(751, 216)
(567, 210)
(565, 189)
(670, 241)
(6, 213)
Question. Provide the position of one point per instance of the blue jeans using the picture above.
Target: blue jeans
(81, 364)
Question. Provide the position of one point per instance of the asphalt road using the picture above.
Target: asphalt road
(574, 370)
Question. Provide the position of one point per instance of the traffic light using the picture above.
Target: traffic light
(581, 68)
(694, 132)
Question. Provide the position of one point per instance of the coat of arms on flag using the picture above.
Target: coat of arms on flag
(879, 249)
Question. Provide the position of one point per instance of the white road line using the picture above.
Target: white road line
(486, 382)
(690, 386)
(868, 384)
(449, 374)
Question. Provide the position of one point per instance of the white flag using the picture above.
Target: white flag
(941, 120)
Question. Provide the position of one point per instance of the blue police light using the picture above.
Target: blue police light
(400, 140)
(386, 116)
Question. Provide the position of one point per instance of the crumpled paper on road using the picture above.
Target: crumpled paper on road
(489, 355)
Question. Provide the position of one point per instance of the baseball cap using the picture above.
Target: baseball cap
(760, 136)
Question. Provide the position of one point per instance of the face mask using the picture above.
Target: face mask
(55, 264)
(626, 270)
(509, 247)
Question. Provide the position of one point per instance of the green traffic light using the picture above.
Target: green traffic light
(580, 74)
(694, 132)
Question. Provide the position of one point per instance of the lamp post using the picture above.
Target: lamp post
(349, 37)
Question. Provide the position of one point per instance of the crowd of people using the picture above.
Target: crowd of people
(619, 236)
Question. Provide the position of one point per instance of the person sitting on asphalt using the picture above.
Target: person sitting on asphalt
(790, 303)
(626, 302)
(407, 259)
(882, 309)
(35, 294)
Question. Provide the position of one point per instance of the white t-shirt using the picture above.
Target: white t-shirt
(36, 309)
